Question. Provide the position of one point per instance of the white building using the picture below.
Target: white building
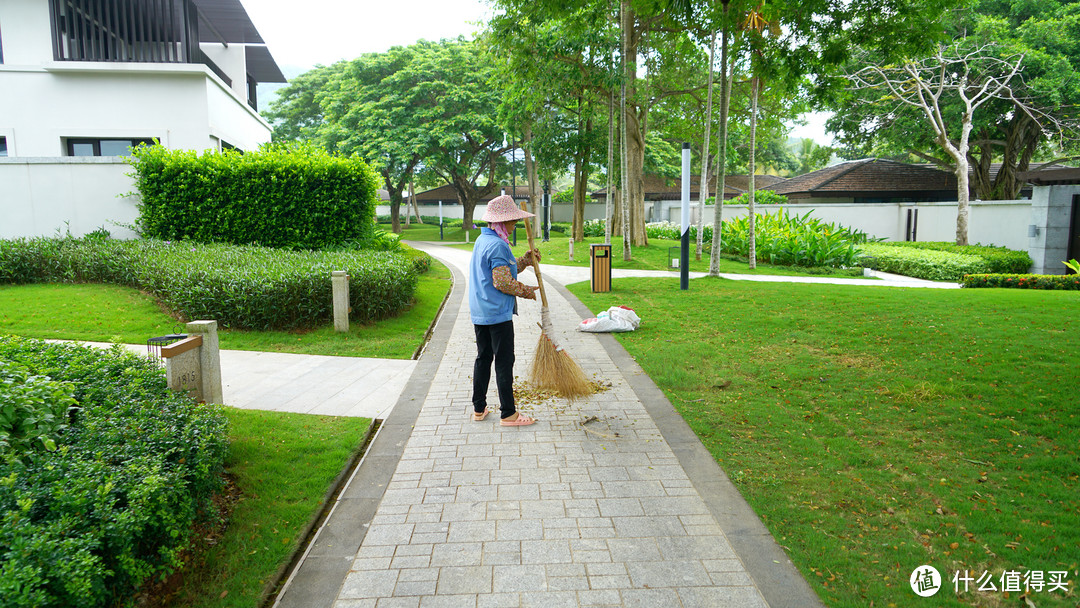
(85, 78)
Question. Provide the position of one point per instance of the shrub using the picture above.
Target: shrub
(33, 410)
(930, 264)
(293, 197)
(1022, 281)
(240, 287)
(115, 503)
(593, 228)
(998, 259)
(761, 197)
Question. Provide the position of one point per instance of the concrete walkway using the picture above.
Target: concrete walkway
(444, 511)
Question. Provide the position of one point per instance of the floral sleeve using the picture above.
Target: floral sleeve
(505, 282)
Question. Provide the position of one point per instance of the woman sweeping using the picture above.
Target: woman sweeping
(493, 293)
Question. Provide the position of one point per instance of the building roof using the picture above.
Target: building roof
(1052, 177)
(658, 188)
(868, 177)
(227, 21)
(448, 195)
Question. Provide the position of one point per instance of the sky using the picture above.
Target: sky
(301, 35)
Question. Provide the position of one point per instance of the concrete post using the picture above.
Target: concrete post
(209, 359)
(340, 281)
(1051, 210)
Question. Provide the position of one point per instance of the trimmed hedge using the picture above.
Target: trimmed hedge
(293, 197)
(116, 503)
(1023, 281)
(999, 260)
(926, 264)
(240, 287)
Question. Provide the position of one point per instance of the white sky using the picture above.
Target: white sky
(303, 34)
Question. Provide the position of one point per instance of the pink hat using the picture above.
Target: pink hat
(503, 209)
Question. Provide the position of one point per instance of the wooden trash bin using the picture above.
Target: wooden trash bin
(600, 264)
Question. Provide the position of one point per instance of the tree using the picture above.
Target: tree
(1047, 34)
(364, 116)
(973, 77)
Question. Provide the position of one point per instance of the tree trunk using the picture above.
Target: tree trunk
(534, 181)
(633, 133)
(394, 193)
(610, 167)
(624, 202)
(754, 84)
(703, 185)
(412, 199)
(721, 150)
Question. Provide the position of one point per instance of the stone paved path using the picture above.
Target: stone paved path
(476, 514)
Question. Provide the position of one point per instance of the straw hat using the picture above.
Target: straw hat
(503, 209)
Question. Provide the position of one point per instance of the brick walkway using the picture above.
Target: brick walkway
(554, 514)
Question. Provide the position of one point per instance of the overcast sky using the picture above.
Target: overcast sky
(303, 34)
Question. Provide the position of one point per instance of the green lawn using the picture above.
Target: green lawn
(656, 257)
(108, 313)
(283, 464)
(877, 429)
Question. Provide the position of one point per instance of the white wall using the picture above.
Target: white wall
(44, 195)
(1001, 223)
(26, 31)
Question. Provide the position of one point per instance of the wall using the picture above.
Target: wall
(1001, 223)
(1051, 217)
(44, 196)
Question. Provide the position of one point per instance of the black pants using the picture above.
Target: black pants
(494, 343)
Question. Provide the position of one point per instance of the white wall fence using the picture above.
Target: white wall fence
(46, 196)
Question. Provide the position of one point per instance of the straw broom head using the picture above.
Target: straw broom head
(553, 369)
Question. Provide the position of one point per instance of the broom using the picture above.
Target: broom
(552, 367)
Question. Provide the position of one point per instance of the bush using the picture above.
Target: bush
(33, 411)
(116, 502)
(295, 197)
(1022, 281)
(930, 264)
(240, 287)
(998, 259)
(761, 197)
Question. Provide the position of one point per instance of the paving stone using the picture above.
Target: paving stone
(464, 580)
(369, 584)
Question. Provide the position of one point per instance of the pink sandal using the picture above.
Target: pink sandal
(477, 417)
(521, 420)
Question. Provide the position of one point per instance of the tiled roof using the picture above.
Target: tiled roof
(869, 176)
(448, 195)
(659, 188)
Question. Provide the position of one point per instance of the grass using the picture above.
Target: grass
(875, 430)
(108, 313)
(655, 257)
(283, 464)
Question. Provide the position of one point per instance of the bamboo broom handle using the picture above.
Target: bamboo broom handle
(535, 263)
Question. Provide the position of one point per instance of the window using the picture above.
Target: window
(3, 146)
(104, 147)
(1, 49)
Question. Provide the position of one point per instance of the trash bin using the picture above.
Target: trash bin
(600, 264)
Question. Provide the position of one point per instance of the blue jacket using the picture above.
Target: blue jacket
(488, 305)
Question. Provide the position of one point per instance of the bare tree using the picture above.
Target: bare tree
(972, 76)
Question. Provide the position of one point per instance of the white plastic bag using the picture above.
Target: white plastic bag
(614, 319)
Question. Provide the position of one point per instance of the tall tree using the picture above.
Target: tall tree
(973, 77)
(1047, 34)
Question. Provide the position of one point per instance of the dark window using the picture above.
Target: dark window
(3, 146)
(103, 147)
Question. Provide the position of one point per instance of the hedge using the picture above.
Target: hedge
(998, 259)
(294, 197)
(1023, 281)
(240, 287)
(115, 504)
(927, 264)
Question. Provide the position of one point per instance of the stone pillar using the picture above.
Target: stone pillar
(340, 281)
(209, 359)
(1048, 233)
(182, 366)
